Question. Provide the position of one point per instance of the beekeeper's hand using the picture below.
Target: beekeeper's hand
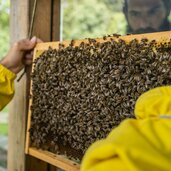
(20, 54)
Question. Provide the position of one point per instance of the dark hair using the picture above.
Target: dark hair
(167, 4)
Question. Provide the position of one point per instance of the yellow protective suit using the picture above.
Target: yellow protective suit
(142, 144)
(6, 86)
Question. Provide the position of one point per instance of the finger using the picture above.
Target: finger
(26, 44)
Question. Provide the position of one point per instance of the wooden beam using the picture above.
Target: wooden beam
(42, 21)
(17, 118)
(47, 29)
(56, 17)
(36, 164)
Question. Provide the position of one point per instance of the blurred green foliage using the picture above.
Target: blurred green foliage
(3, 129)
(4, 27)
(92, 18)
(80, 19)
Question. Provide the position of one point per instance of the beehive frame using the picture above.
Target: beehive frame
(59, 160)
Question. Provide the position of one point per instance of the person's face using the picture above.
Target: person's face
(145, 15)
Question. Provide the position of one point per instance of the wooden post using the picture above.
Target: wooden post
(46, 27)
(17, 119)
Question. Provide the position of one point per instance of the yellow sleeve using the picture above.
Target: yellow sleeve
(154, 103)
(6, 86)
(137, 144)
(133, 146)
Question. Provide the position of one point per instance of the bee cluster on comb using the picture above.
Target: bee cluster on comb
(80, 93)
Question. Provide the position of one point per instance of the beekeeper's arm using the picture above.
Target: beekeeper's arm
(141, 144)
(19, 55)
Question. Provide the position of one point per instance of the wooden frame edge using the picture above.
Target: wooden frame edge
(158, 36)
(55, 160)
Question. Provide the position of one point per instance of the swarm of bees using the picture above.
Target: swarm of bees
(80, 93)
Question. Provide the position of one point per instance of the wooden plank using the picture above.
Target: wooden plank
(56, 17)
(55, 4)
(46, 27)
(41, 29)
(43, 19)
(36, 164)
(17, 117)
(52, 168)
(28, 127)
(55, 160)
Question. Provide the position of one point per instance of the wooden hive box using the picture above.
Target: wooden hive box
(59, 160)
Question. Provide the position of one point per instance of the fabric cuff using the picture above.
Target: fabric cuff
(6, 72)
